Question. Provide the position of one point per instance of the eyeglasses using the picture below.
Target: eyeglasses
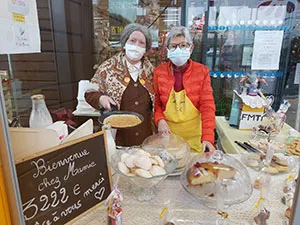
(181, 45)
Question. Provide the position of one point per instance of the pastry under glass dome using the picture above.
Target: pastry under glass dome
(203, 177)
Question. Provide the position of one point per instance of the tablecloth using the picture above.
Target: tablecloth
(185, 208)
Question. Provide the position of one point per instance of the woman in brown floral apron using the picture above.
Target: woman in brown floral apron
(125, 80)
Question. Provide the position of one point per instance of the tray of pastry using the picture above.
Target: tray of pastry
(262, 144)
(293, 146)
(277, 165)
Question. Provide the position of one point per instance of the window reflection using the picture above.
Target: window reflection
(77, 36)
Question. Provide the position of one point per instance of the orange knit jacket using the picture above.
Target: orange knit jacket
(196, 82)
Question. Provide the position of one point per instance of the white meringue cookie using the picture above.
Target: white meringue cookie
(129, 161)
(143, 173)
(159, 160)
(143, 162)
(157, 171)
(143, 152)
(123, 168)
(124, 156)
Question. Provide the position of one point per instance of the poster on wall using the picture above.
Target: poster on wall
(121, 13)
(19, 27)
(266, 50)
(18, 6)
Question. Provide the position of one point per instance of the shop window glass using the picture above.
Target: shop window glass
(77, 36)
(227, 44)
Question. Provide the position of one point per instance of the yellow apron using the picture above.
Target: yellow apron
(184, 119)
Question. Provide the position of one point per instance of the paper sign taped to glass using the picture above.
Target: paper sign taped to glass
(19, 27)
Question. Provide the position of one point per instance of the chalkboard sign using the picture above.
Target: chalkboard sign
(59, 185)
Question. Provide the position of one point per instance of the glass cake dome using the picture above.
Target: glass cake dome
(219, 177)
(172, 143)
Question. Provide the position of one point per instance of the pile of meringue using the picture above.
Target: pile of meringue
(141, 164)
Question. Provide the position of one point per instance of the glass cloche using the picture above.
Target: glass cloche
(174, 144)
(204, 176)
(143, 169)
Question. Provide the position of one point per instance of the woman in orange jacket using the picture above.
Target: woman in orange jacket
(184, 103)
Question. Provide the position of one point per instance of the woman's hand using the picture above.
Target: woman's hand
(209, 146)
(105, 101)
(163, 127)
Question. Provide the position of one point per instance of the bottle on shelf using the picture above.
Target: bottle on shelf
(235, 114)
(40, 116)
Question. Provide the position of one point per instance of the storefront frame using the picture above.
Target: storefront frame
(9, 169)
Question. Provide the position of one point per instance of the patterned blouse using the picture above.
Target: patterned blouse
(113, 76)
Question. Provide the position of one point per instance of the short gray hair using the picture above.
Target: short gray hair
(178, 32)
(130, 28)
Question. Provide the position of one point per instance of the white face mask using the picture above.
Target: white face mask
(179, 56)
(134, 52)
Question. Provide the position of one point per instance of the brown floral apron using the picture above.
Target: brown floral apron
(136, 99)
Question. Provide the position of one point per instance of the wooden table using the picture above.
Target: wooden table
(228, 135)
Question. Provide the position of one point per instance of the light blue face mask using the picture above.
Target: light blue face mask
(179, 56)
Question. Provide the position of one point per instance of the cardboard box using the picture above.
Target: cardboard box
(252, 110)
(251, 117)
